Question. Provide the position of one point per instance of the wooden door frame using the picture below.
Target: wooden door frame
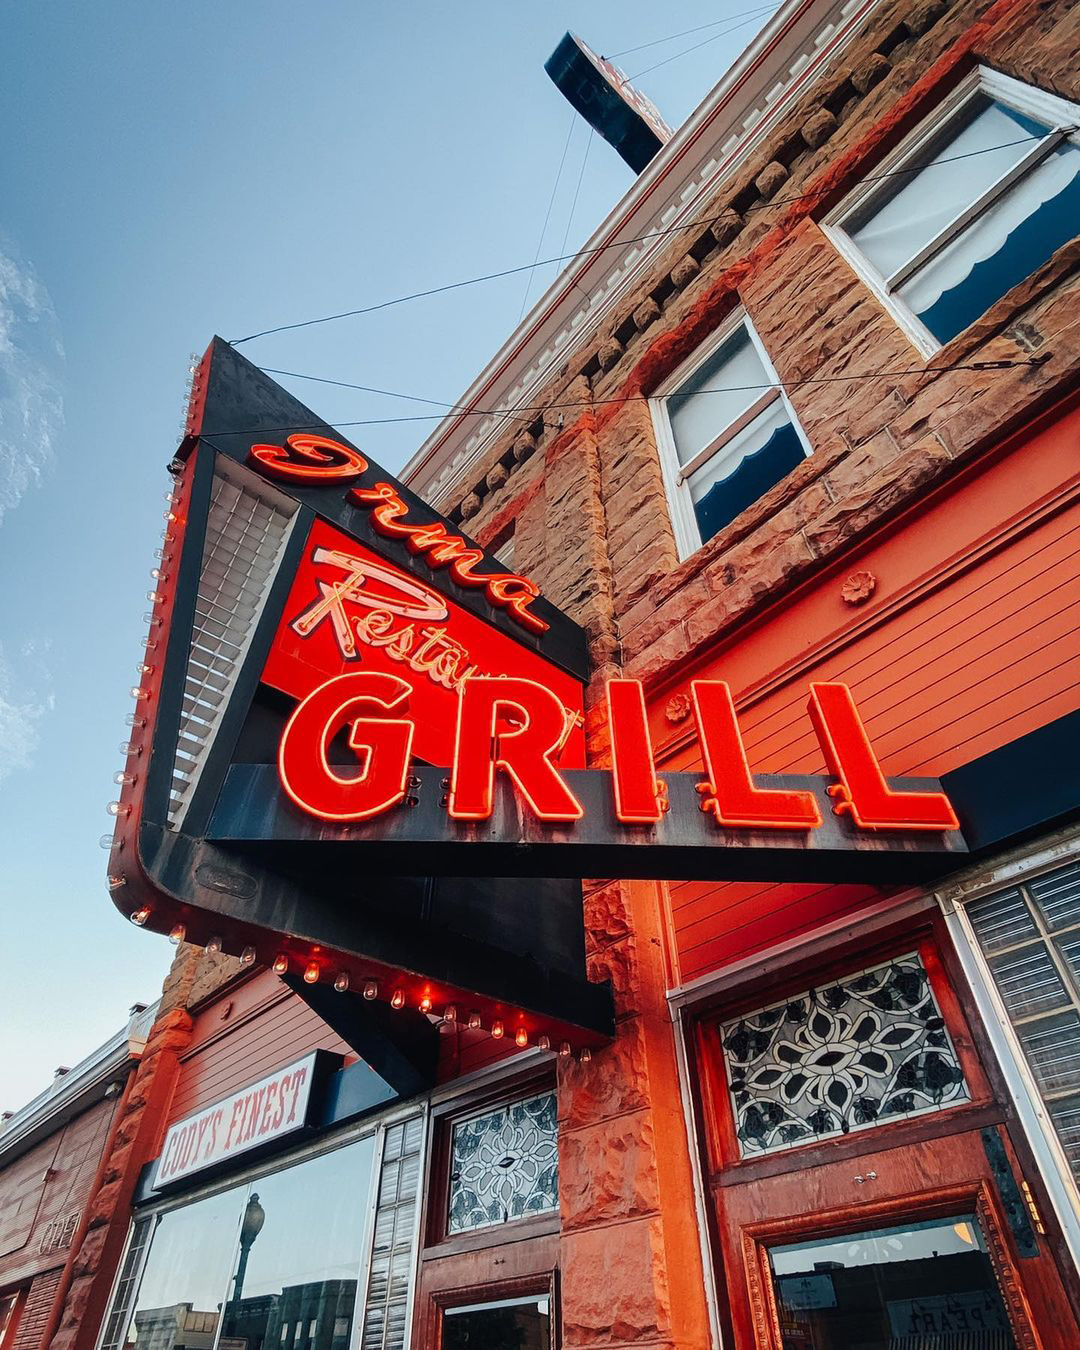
(514, 1259)
(454, 1295)
(915, 924)
(977, 1198)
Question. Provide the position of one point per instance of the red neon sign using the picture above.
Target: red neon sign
(349, 609)
(441, 549)
(381, 744)
(861, 789)
(314, 459)
(318, 459)
(730, 792)
(517, 726)
(640, 798)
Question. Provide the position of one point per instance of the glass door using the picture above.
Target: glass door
(504, 1324)
(919, 1284)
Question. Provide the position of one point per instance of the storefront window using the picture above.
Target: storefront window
(844, 1056)
(180, 1295)
(507, 1324)
(300, 1252)
(280, 1262)
(923, 1284)
(504, 1165)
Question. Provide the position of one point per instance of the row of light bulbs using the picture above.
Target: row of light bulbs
(370, 990)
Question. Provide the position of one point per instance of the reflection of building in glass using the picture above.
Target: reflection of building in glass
(176, 1327)
(314, 1316)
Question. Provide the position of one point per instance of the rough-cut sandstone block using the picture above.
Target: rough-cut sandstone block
(772, 177)
(608, 1171)
(614, 1291)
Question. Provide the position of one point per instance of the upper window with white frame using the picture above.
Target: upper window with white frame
(726, 433)
(977, 199)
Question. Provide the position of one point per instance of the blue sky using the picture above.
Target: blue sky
(172, 171)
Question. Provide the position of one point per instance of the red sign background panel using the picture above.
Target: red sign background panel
(430, 632)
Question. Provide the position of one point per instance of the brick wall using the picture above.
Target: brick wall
(35, 1312)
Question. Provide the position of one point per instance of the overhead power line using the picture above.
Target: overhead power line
(539, 408)
(676, 56)
(686, 32)
(614, 243)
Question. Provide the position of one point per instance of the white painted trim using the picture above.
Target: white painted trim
(1058, 114)
(676, 475)
(701, 1199)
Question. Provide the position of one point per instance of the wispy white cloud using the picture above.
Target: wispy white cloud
(31, 397)
(25, 697)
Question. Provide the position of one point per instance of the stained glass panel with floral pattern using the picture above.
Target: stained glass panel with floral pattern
(504, 1165)
(851, 1054)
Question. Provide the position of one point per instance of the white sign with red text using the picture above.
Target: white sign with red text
(275, 1106)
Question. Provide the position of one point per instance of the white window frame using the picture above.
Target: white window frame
(676, 476)
(1061, 116)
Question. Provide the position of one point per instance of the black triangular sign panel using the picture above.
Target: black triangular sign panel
(264, 509)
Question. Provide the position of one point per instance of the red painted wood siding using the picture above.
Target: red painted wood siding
(245, 1035)
(972, 639)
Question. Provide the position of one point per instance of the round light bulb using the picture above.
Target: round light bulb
(397, 999)
(155, 597)
(497, 1029)
(311, 972)
(116, 809)
(247, 956)
(521, 1039)
(116, 881)
(130, 748)
(281, 964)
(341, 983)
(564, 1049)
(586, 1056)
(474, 1021)
(543, 1042)
(141, 915)
(177, 934)
(371, 989)
(450, 1013)
(107, 841)
(425, 1004)
(123, 779)
(134, 721)
(214, 945)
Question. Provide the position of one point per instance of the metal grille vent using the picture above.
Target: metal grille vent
(246, 532)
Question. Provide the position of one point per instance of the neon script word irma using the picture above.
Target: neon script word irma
(316, 459)
(516, 726)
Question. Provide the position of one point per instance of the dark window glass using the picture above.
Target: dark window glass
(508, 1324)
(914, 1287)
